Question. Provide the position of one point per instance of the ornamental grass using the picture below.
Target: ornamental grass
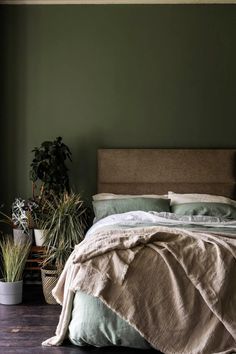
(13, 259)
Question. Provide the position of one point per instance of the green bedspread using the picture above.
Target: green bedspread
(93, 323)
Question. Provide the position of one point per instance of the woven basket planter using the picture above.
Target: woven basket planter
(49, 280)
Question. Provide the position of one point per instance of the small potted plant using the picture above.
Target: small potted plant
(13, 259)
(65, 227)
(21, 219)
(40, 215)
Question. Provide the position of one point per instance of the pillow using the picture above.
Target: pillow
(225, 211)
(176, 198)
(202, 204)
(105, 196)
(103, 208)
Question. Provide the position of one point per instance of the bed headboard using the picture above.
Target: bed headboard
(157, 171)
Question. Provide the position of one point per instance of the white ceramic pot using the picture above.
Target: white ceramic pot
(39, 237)
(11, 292)
(20, 237)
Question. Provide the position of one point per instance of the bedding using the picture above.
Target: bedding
(103, 208)
(177, 198)
(205, 208)
(93, 323)
(105, 196)
(126, 257)
(202, 204)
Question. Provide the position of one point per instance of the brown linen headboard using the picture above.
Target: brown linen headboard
(157, 171)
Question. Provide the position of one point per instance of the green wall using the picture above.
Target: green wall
(113, 76)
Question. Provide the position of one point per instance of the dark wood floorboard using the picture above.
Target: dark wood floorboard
(23, 328)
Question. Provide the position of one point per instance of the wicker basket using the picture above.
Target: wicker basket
(49, 280)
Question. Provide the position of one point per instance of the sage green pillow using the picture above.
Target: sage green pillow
(225, 211)
(103, 208)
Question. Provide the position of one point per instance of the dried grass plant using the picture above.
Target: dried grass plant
(13, 259)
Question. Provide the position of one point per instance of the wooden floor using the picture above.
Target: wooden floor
(23, 327)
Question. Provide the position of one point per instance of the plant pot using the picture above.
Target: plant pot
(11, 292)
(49, 280)
(21, 237)
(39, 237)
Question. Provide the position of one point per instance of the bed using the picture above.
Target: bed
(157, 269)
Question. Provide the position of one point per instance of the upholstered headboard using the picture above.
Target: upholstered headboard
(138, 171)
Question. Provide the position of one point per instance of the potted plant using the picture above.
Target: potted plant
(49, 172)
(21, 219)
(40, 215)
(65, 227)
(49, 176)
(13, 259)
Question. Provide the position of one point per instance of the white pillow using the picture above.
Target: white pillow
(106, 196)
(176, 199)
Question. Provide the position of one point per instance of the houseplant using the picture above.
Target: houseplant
(65, 227)
(21, 219)
(40, 215)
(13, 259)
(49, 176)
(49, 172)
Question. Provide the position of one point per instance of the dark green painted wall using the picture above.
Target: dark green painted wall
(113, 76)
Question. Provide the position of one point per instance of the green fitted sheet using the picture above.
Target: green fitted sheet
(93, 323)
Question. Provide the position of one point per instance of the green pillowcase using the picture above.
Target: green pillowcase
(103, 208)
(204, 208)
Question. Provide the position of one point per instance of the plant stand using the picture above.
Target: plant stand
(32, 272)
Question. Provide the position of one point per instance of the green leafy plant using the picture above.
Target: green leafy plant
(40, 212)
(13, 259)
(64, 228)
(48, 168)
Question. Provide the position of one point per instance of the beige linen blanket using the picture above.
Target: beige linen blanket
(176, 287)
